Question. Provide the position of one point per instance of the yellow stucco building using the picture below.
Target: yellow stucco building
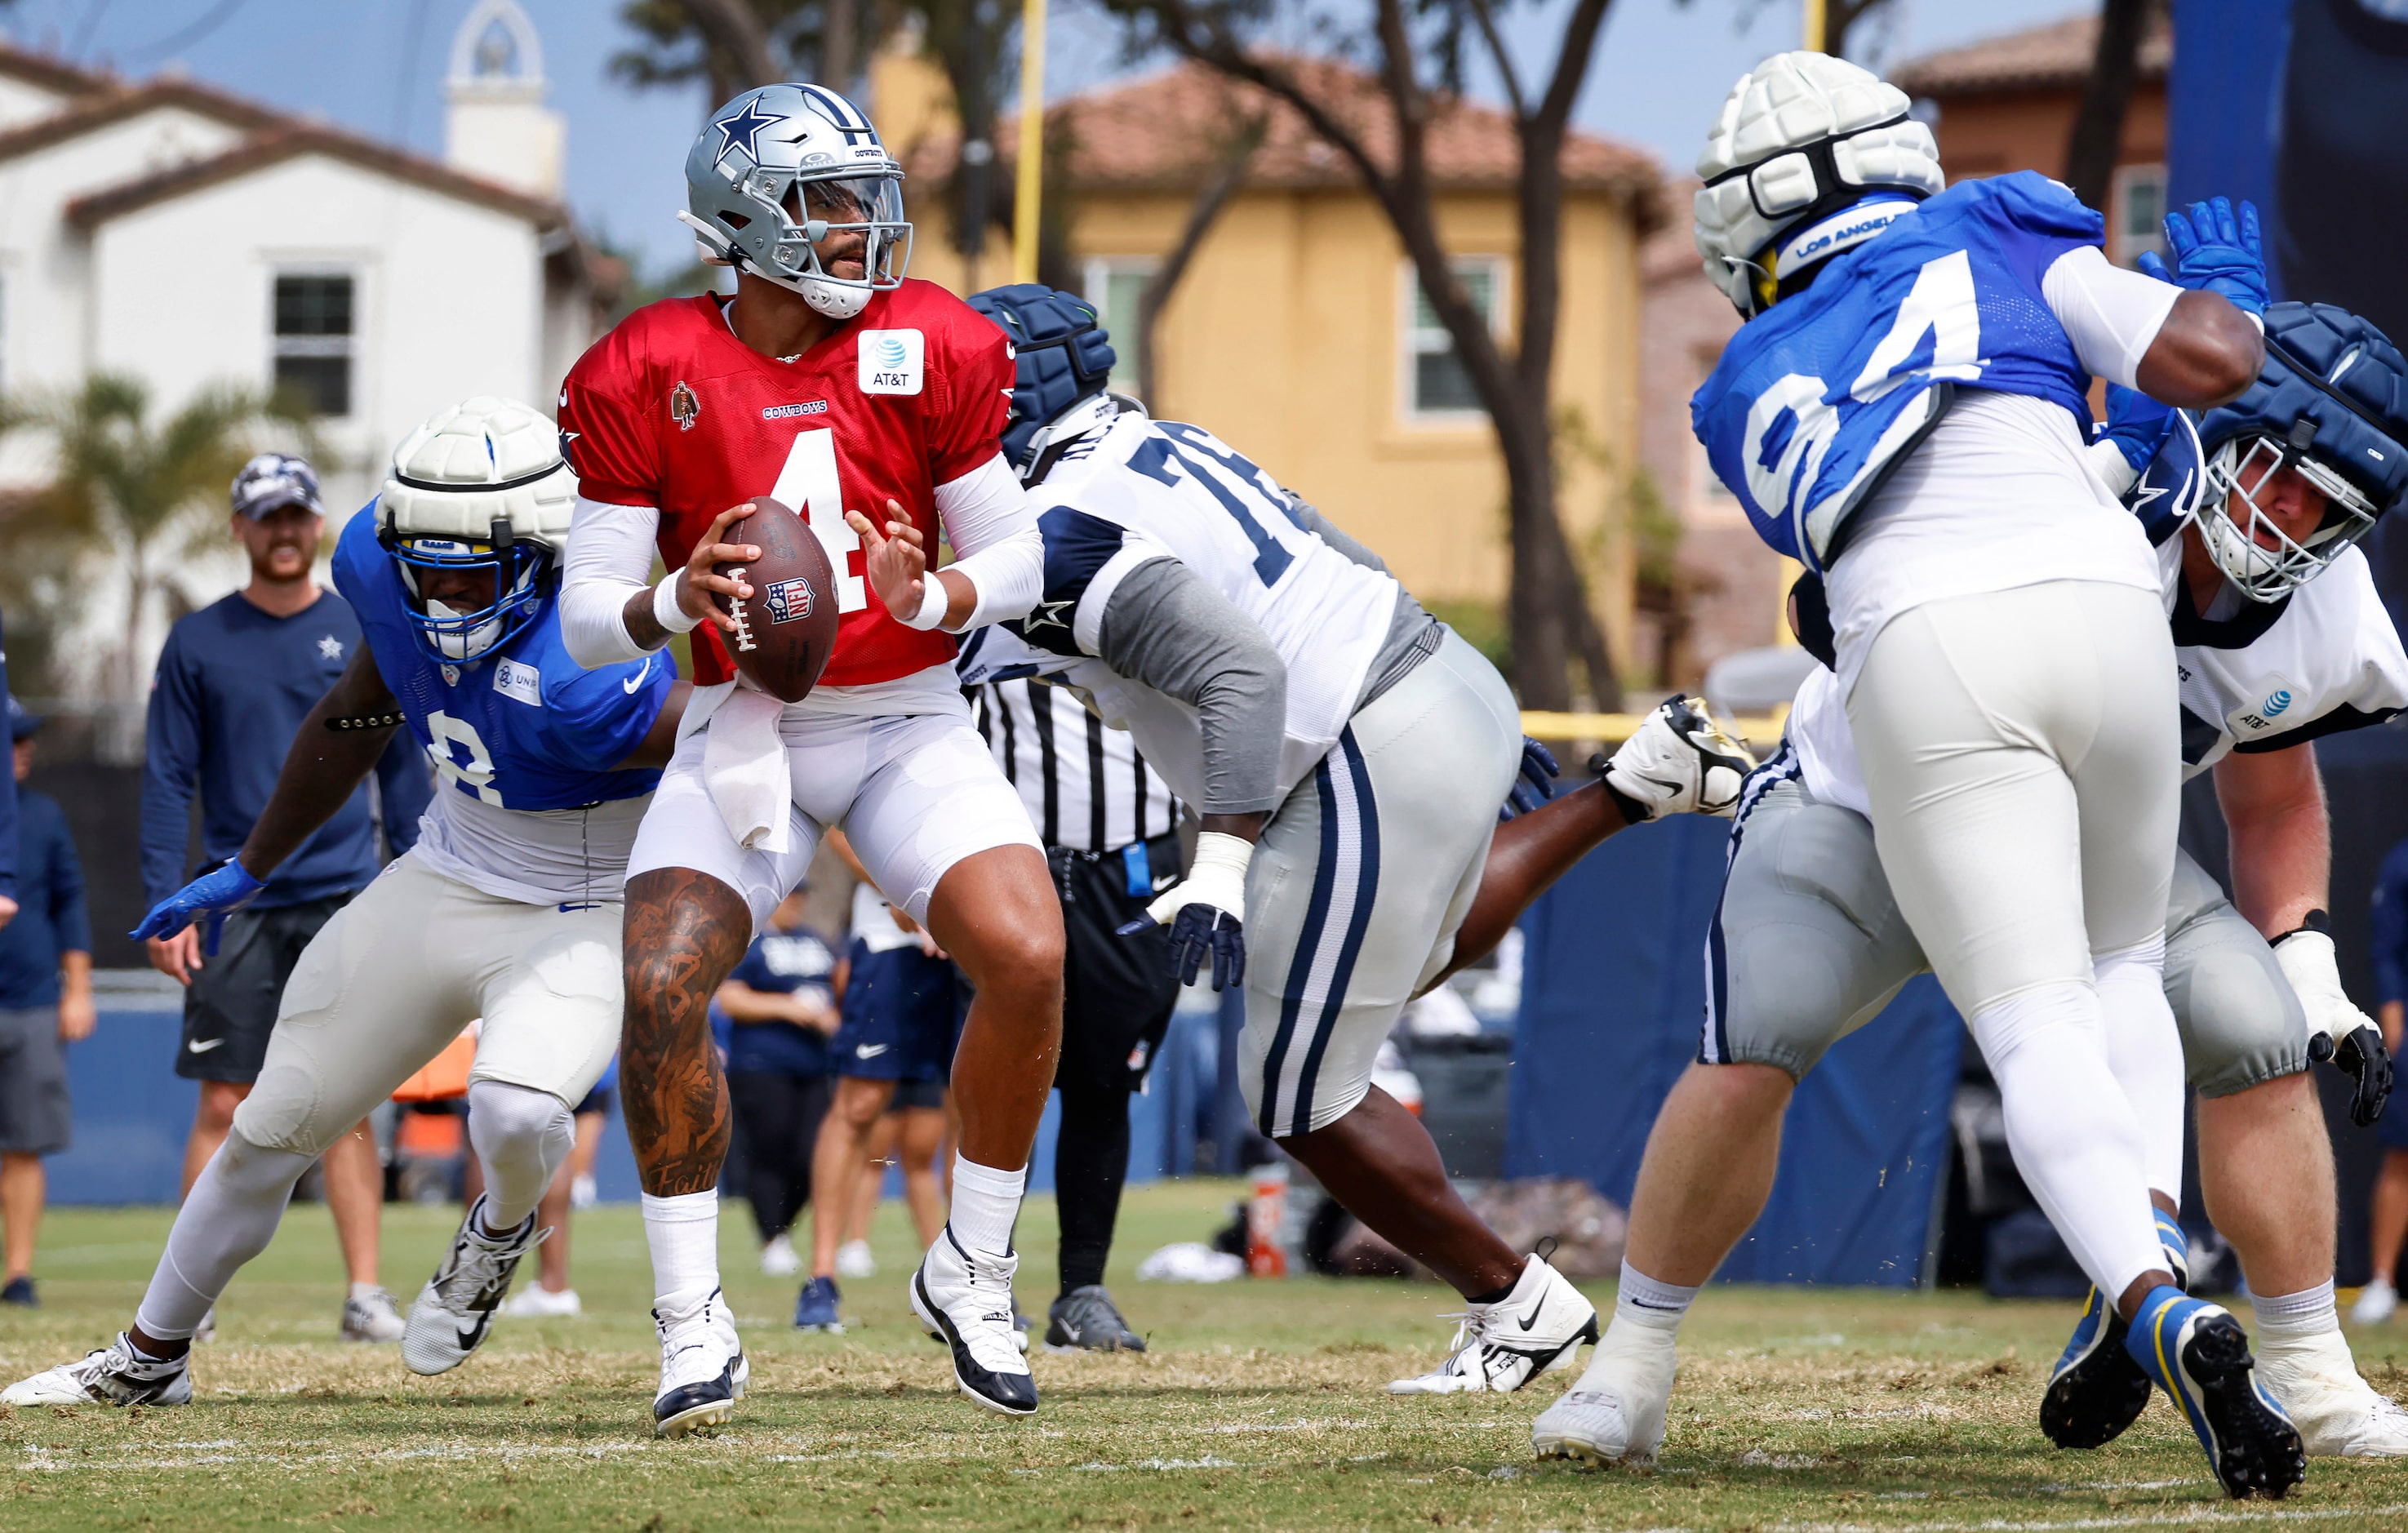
(1298, 333)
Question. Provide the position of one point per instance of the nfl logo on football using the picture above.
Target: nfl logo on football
(790, 601)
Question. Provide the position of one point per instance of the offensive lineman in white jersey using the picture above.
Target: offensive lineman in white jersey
(1906, 408)
(1347, 753)
(1808, 942)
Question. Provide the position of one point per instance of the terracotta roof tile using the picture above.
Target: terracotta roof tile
(267, 149)
(2047, 57)
(1164, 132)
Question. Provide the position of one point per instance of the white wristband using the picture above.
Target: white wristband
(933, 603)
(666, 611)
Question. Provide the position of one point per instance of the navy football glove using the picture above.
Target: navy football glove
(2216, 252)
(1199, 930)
(2361, 1056)
(2136, 424)
(208, 900)
(1536, 784)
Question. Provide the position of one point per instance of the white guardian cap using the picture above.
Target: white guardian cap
(479, 485)
(1810, 156)
(792, 183)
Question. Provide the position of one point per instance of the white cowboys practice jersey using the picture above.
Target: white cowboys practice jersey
(1151, 488)
(2270, 677)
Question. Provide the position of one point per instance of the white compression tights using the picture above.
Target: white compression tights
(521, 1135)
(2145, 1053)
(2077, 1141)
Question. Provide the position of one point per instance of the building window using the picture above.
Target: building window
(1116, 283)
(2139, 212)
(1436, 388)
(314, 329)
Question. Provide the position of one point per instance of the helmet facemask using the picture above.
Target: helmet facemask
(518, 570)
(2243, 536)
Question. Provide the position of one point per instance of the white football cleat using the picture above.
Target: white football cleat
(541, 1303)
(778, 1258)
(703, 1368)
(1680, 762)
(854, 1260)
(964, 1298)
(1501, 1347)
(2376, 1302)
(1614, 1414)
(456, 1309)
(373, 1316)
(112, 1376)
(2338, 1413)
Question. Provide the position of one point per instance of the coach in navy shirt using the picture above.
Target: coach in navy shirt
(235, 681)
(47, 938)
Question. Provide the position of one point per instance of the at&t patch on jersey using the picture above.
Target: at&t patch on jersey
(789, 601)
(893, 360)
(2270, 712)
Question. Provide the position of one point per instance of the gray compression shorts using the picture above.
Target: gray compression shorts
(1807, 946)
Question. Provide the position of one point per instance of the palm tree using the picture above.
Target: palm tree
(128, 501)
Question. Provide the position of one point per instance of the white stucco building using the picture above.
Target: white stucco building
(172, 230)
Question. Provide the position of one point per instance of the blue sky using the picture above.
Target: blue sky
(376, 66)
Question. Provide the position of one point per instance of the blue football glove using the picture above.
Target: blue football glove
(2215, 253)
(1534, 785)
(2136, 424)
(1206, 912)
(1199, 930)
(208, 900)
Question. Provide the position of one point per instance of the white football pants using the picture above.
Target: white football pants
(2022, 763)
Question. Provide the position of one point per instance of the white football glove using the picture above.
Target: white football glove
(1206, 911)
(1680, 762)
(2339, 1034)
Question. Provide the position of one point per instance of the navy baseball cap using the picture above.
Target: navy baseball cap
(273, 479)
(21, 720)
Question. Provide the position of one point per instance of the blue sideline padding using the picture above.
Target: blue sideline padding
(133, 1111)
(1613, 997)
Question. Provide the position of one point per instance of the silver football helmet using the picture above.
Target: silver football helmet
(791, 182)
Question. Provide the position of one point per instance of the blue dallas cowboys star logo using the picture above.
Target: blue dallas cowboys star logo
(745, 125)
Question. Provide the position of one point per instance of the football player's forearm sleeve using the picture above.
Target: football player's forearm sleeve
(609, 559)
(991, 526)
(2110, 314)
(1166, 628)
(1309, 517)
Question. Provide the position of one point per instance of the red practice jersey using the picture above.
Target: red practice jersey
(671, 410)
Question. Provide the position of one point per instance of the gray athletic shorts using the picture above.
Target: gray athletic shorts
(1807, 946)
(1360, 880)
(34, 1116)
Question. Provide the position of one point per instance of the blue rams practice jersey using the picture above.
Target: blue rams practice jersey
(522, 726)
(1815, 399)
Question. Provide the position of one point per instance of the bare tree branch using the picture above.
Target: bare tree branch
(2099, 126)
(1503, 59)
(1228, 176)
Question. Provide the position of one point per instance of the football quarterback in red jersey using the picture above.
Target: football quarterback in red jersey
(836, 386)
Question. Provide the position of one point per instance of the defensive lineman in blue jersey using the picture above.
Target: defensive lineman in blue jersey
(508, 909)
(1905, 411)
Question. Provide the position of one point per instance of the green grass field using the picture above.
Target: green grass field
(1259, 1406)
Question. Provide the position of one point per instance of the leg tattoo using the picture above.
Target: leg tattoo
(685, 931)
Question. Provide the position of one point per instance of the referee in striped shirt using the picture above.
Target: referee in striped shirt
(1110, 829)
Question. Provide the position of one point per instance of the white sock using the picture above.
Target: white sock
(2145, 1051)
(229, 1217)
(521, 1136)
(362, 1290)
(1645, 1301)
(2287, 1317)
(2076, 1140)
(684, 1233)
(985, 1202)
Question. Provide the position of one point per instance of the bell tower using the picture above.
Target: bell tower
(496, 125)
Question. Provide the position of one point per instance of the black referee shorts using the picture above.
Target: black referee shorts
(1117, 992)
(231, 1006)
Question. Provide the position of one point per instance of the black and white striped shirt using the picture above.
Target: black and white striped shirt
(1086, 786)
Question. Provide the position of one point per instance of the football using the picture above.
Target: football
(786, 629)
